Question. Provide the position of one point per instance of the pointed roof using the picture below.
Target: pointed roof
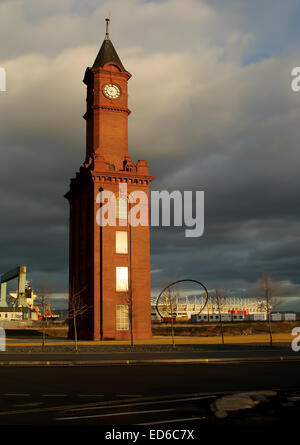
(107, 52)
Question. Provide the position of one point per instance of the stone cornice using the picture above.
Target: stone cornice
(106, 107)
(86, 176)
(110, 108)
(122, 177)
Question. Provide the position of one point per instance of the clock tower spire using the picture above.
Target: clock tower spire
(107, 29)
(109, 265)
(107, 108)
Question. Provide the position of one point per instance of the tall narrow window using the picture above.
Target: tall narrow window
(122, 279)
(121, 208)
(121, 241)
(122, 317)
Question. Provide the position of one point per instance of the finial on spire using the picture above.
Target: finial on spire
(107, 31)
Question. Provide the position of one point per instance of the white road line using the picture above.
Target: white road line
(154, 402)
(128, 395)
(124, 413)
(27, 405)
(91, 395)
(16, 395)
(172, 421)
(53, 395)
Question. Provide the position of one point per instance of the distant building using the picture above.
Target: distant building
(289, 316)
(232, 309)
(15, 314)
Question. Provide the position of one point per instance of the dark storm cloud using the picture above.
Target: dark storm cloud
(212, 110)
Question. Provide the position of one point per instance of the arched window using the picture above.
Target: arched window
(121, 208)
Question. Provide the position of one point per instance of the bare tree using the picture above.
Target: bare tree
(268, 287)
(43, 301)
(171, 297)
(219, 302)
(261, 304)
(276, 301)
(129, 302)
(76, 309)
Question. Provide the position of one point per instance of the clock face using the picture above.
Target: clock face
(112, 91)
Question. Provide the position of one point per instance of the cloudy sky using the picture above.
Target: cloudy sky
(212, 109)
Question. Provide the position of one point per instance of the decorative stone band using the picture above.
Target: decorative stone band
(144, 181)
(105, 107)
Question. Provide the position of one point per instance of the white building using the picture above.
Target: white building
(289, 316)
(232, 309)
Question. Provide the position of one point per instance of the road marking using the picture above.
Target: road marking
(154, 402)
(91, 395)
(123, 413)
(172, 421)
(109, 403)
(16, 395)
(53, 395)
(128, 395)
(23, 405)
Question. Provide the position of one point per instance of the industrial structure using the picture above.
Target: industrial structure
(17, 305)
(21, 305)
(109, 266)
(19, 273)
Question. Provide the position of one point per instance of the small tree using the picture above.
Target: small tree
(268, 288)
(276, 301)
(43, 301)
(171, 297)
(76, 309)
(219, 301)
(129, 302)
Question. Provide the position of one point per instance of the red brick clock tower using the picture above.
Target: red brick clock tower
(109, 272)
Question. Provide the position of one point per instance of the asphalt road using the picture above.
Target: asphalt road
(131, 394)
